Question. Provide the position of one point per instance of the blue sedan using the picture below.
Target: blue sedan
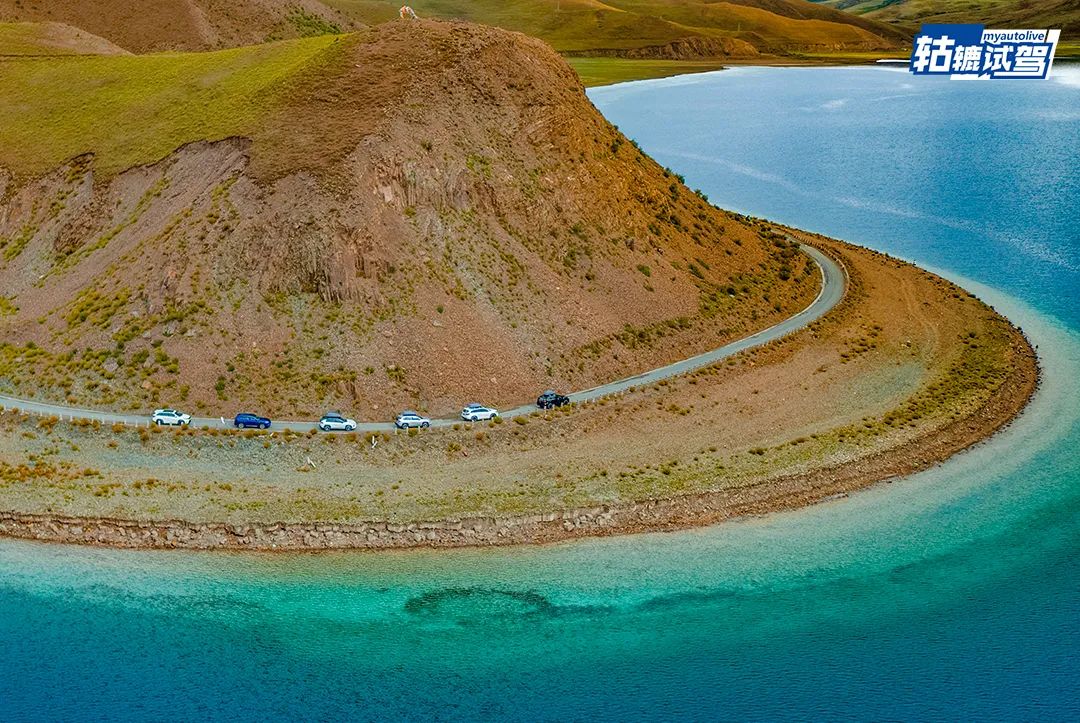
(253, 421)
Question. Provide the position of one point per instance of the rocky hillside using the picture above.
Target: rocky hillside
(156, 25)
(421, 214)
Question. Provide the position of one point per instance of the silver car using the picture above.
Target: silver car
(478, 413)
(408, 419)
(170, 417)
(334, 422)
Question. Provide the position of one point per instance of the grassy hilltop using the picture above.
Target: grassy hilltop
(155, 25)
(60, 109)
(57, 109)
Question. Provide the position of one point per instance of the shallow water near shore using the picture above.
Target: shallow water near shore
(951, 594)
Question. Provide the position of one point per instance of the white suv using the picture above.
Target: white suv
(334, 422)
(170, 417)
(406, 420)
(478, 413)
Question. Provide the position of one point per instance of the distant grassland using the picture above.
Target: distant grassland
(605, 71)
(566, 25)
(131, 110)
(1043, 13)
(572, 26)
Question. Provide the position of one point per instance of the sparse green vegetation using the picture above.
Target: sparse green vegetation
(13, 246)
(96, 307)
(478, 164)
(308, 25)
(75, 254)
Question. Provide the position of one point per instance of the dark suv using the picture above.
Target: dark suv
(245, 420)
(550, 399)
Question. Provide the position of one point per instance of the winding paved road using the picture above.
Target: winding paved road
(832, 291)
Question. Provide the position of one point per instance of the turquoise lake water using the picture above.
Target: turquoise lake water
(954, 594)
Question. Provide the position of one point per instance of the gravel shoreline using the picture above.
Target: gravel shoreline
(674, 513)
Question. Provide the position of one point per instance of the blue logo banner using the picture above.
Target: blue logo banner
(971, 51)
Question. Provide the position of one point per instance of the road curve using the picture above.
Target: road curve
(832, 291)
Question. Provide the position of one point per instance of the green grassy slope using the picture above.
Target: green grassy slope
(131, 110)
(149, 26)
(605, 71)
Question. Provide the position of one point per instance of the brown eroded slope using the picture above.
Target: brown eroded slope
(426, 214)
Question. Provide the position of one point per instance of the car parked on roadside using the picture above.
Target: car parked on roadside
(409, 419)
(478, 413)
(334, 422)
(245, 420)
(551, 398)
(170, 417)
